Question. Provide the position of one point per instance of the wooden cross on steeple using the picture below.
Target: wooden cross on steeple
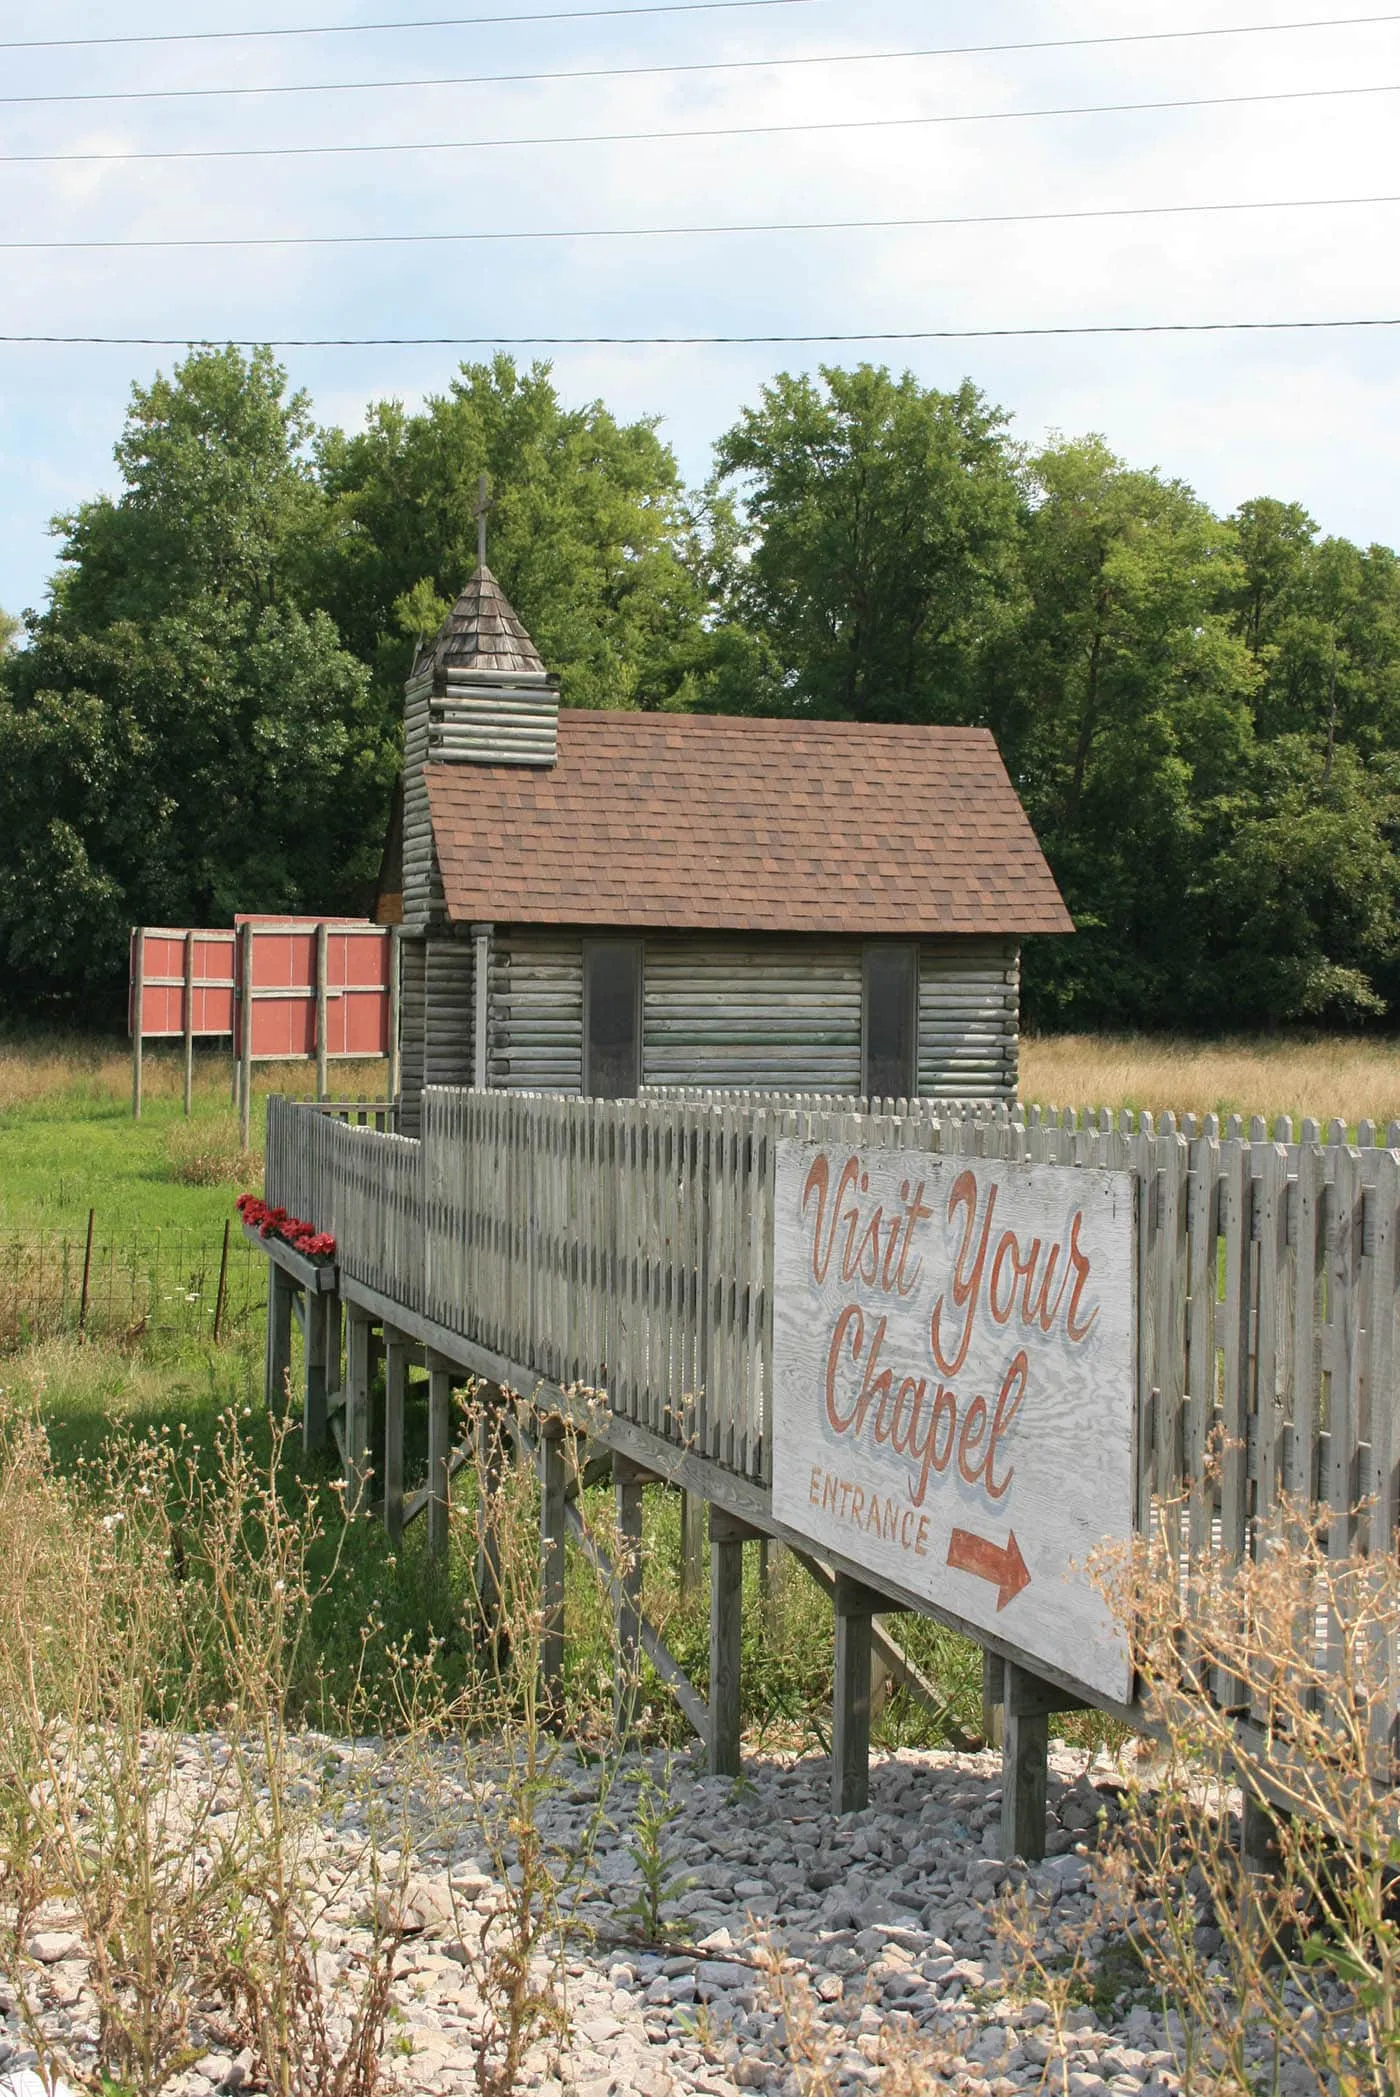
(484, 506)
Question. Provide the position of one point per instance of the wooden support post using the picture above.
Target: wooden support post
(322, 1045)
(1027, 1705)
(356, 1430)
(727, 1540)
(318, 1369)
(396, 1352)
(692, 1540)
(138, 993)
(481, 1006)
(553, 1520)
(490, 1457)
(439, 1453)
(188, 1017)
(395, 938)
(1259, 1838)
(245, 1037)
(993, 1691)
(628, 1480)
(855, 1607)
(278, 1358)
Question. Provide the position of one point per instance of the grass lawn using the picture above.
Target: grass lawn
(68, 1142)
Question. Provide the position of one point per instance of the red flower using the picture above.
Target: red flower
(268, 1222)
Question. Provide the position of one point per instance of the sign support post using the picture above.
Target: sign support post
(1024, 1759)
(138, 991)
(727, 1539)
(245, 1039)
(322, 1045)
(188, 1016)
(850, 1706)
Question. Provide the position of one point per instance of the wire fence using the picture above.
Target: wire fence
(179, 1283)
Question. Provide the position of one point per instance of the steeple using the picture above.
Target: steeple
(483, 633)
(479, 692)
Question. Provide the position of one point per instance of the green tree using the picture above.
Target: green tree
(1123, 704)
(1298, 887)
(589, 534)
(1323, 618)
(9, 631)
(877, 547)
(182, 737)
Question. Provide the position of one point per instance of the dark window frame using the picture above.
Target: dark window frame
(591, 947)
(909, 949)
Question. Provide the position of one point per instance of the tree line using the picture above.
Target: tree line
(1201, 713)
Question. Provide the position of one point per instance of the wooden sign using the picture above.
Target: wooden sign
(953, 1385)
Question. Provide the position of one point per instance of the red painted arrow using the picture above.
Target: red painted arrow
(1002, 1564)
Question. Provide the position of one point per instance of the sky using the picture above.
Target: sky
(1312, 417)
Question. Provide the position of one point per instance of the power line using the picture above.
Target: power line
(244, 36)
(614, 138)
(728, 65)
(833, 225)
(1154, 327)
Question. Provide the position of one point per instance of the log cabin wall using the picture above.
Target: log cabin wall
(535, 1035)
(412, 974)
(969, 1019)
(767, 1014)
(756, 1014)
(447, 1011)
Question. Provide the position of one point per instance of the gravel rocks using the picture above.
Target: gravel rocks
(885, 1921)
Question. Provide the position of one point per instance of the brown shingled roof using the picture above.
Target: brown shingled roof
(483, 632)
(707, 822)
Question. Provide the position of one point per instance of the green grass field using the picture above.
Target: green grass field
(68, 1142)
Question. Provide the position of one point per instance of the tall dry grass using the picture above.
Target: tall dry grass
(1331, 1075)
(41, 1066)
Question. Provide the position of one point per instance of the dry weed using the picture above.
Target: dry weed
(138, 1603)
(1273, 1686)
(208, 1153)
(1346, 1076)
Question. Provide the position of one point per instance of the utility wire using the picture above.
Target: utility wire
(726, 65)
(614, 138)
(833, 225)
(1157, 327)
(244, 36)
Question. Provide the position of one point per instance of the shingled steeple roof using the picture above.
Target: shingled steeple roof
(483, 632)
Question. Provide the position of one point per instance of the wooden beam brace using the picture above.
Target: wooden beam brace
(421, 1502)
(653, 1645)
